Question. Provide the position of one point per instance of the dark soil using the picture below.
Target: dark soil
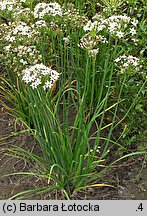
(129, 178)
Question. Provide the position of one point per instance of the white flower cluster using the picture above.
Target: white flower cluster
(97, 24)
(39, 74)
(19, 30)
(92, 53)
(116, 25)
(40, 24)
(90, 43)
(21, 56)
(50, 9)
(24, 13)
(125, 62)
(16, 9)
(29, 53)
(22, 29)
(8, 5)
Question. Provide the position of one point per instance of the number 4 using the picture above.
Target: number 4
(140, 207)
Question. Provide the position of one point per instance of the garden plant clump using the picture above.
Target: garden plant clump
(75, 76)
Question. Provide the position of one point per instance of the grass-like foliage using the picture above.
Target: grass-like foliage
(68, 71)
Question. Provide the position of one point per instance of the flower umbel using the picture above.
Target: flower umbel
(39, 74)
(125, 62)
(50, 9)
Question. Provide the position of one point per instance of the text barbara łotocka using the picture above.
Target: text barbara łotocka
(64, 207)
